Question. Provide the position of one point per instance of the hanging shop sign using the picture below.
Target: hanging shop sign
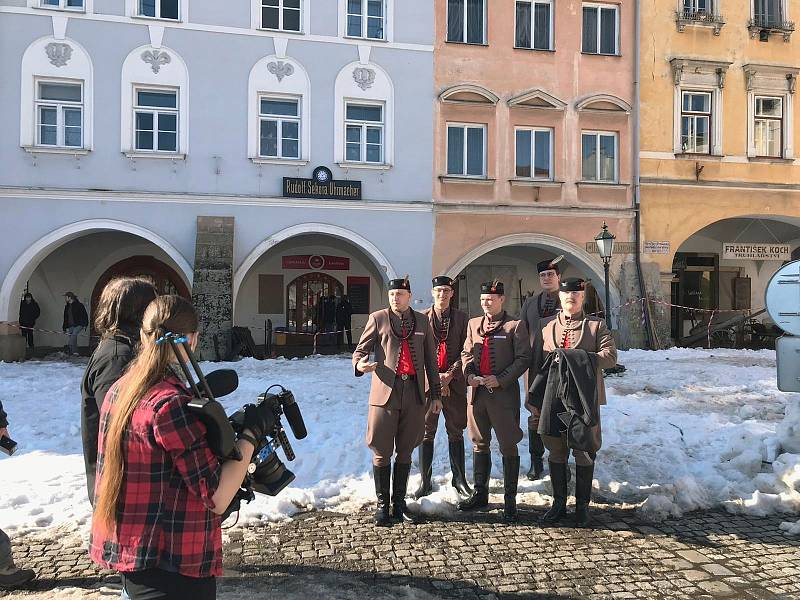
(316, 262)
(619, 247)
(321, 186)
(756, 251)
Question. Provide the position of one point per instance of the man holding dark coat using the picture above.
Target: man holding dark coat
(405, 356)
(570, 420)
(449, 327)
(497, 352)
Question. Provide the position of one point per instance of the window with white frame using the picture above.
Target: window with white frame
(159, 9)
(696, 122)
(283, 15)
(279, 127)
(534, 24)
(695, 7)
(62, 4)
(599, 151)
(155, 118)
(466, 150)
(600, 29)
(364, 132)
(768, 126)
(366, 19)
(466, 21)
(59, 114)
(534, 153)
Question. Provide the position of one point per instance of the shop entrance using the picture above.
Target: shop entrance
(311, 302)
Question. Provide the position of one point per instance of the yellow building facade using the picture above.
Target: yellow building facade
(719, 170)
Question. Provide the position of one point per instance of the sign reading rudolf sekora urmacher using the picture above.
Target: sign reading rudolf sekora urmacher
(294, 187)
(756, 251)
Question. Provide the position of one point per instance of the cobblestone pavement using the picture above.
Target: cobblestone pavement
(330, 555)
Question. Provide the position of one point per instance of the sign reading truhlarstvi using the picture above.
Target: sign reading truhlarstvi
(756, 251)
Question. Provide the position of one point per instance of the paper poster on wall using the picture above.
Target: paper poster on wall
(358, 293)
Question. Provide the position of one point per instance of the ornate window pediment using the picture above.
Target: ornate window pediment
(773, 78)
(606, 103)
(693, 71)
(468, 94)
(537, 98)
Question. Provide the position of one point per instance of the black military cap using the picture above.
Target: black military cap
(441, 280)
(550, 264)
(492, 287)
(400, 284)
(572, 284)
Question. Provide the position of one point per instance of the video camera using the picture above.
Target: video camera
(266, 473)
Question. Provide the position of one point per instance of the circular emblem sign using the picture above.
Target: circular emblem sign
(322, 175)
(783, 297)
(316, 262)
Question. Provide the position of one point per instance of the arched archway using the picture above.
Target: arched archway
(29, 260)
(574, 255)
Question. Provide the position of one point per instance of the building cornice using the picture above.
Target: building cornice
(58, 194)
(244, 31)
(736, 185)
(544, 211)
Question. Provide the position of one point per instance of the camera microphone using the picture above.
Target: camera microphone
(293, 416)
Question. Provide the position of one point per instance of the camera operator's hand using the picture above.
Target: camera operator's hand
(258, 419)
(4, 432)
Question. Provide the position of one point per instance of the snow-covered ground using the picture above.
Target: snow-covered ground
(683, 430)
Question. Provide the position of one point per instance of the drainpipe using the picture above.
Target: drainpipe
(636, 149)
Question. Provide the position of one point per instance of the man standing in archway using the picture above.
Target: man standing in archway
(496, 353)
(534, 311)
(405, 352)
(449, 327)
(75, 320)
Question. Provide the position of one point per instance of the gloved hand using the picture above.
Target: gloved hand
(259, 419)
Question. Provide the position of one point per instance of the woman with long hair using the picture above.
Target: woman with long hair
(160, 490)
(118, 320)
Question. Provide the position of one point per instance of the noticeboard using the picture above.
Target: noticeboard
(358, 293)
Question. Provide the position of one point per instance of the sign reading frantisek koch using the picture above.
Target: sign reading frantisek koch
(321, 186)
(756, 251)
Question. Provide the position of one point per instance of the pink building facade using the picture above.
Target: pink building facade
(532, 134)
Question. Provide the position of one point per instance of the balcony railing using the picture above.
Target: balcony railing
(699, 17)
(764, 25)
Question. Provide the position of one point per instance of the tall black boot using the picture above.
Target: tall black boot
(537, 454)
(481, 466)
(457, 466)
(558, 477)
(510, 480)
(425, 456)
(382, 477)
(399, 489)
(583, 494)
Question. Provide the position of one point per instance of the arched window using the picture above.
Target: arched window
(278, 111)
(308, 302)
(56, 97)
(155, 105)
(364, 116)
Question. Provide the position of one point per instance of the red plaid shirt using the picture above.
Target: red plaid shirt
(163, 516)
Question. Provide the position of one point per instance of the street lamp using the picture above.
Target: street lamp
(605, 245)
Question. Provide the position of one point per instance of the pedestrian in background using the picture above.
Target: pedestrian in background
(75, 320)
(118, 321)
(344, 322)
(29, 311)
(11, 576)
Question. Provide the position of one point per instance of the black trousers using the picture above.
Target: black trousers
(90, 430)
(28, 335)
(157, 584)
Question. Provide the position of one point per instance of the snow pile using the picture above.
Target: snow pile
(683, 430)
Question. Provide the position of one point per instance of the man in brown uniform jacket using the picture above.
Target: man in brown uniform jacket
(534, 311)
(405, 353)
(449, 328)
(571, 329)
(497, 352)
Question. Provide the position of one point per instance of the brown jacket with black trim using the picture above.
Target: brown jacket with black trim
(509, 354)
(378, 337)
(456, 336)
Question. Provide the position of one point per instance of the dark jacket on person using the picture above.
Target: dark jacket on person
(79, 316)
(106, 365)
(3, 417)
(565, 391)
(344, 313)
(28, 313)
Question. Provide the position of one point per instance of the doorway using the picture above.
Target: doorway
(308, 307)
